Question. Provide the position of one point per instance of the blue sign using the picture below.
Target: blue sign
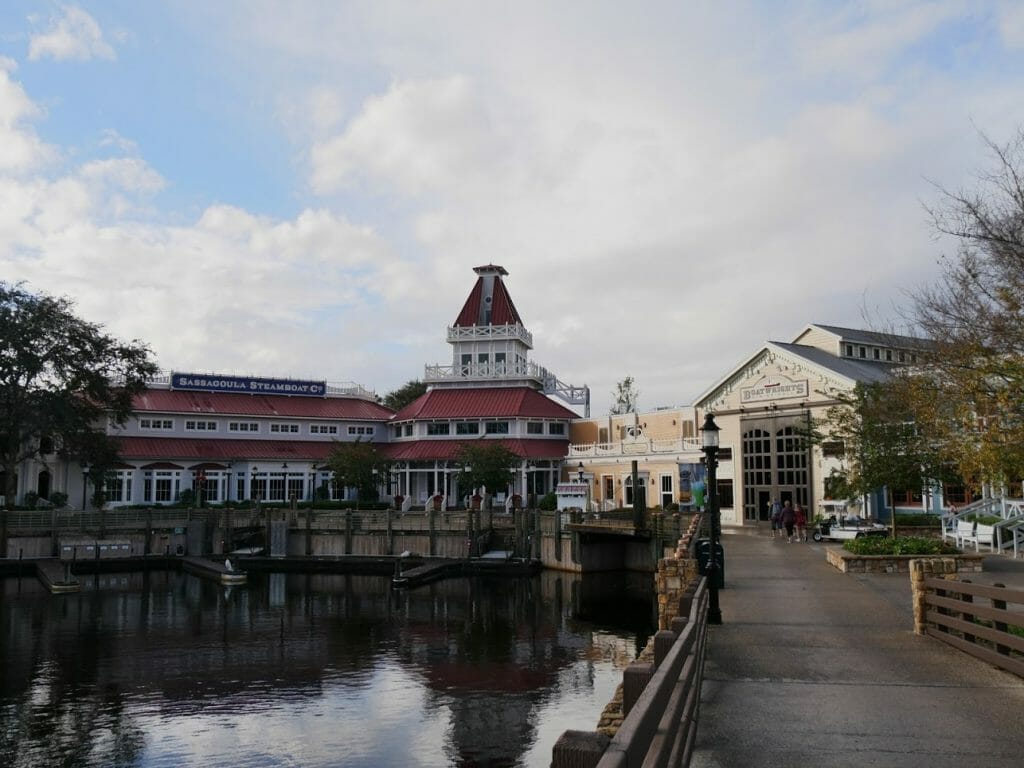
(211, 382)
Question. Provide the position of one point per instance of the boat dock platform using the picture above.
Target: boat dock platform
(57, 577)
(225, 572)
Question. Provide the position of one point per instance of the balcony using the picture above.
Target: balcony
(638, 447)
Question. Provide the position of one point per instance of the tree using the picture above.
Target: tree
(404, 395)
(486, 463)
(967, 385)
(625, 397)
(882, 446)
(61, 377)
(361, 466)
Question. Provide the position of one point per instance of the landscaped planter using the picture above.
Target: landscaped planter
(847, 562)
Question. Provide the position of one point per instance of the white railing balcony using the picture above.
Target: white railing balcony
(490, 333)
(639, 447)
(485, 372)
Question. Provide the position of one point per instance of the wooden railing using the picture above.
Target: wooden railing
(951, 611)
(660, 701)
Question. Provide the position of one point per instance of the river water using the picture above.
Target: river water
(165, 669)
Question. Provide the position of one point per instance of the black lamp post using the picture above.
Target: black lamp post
(709, 441)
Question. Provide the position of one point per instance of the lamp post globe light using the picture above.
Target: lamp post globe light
(709, 443)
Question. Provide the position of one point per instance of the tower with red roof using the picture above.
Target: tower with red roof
(491, 391)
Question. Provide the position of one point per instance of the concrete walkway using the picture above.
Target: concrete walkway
(812, 667)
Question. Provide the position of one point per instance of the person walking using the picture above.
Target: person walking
(800, 521)
(787, 518)
(775, 515)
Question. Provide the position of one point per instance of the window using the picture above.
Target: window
(162, 424)
(117, 486)
(535, 428)
(160, 487)
(877, 353)
(862, 352)
(200, 426)
(849, 350)
(467, 428)
(324, 429)
(888, 355)
(438, 429)
(725, 499)
(496, 427)
(243, 426)
(482, 358)
(408, 430)
(556, 428)
(833, 449)
(363, 430)
(954, 494)
(290, 429)
(725, 454)
(904, 497)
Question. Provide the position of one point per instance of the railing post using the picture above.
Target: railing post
(634, 680)
(1000, 626)
(967, 617)
(664, 639)
(578, 749)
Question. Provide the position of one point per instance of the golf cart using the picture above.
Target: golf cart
(836, 525)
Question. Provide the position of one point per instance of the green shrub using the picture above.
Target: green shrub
(58, 499)
(917, 521)
(901, 545)
(548, 502)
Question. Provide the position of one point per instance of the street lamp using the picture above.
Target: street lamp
(582, 480)
(709, 443)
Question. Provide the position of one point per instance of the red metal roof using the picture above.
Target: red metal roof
(234, 404)
(446, 450)
(503, 311)
(188, 449)
(483, 402)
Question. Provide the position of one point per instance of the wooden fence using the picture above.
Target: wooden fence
(992, 630)
(660, 701)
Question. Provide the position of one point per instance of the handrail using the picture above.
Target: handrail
(661, 726)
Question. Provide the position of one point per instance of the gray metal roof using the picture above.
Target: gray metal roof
(858, 336)
(866, 371)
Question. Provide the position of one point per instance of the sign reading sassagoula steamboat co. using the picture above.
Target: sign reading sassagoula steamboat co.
(773, 388)
(198, 382)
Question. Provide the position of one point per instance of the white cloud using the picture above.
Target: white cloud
(20, 147)
(72, 35)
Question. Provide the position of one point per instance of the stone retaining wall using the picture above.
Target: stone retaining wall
(847, 562)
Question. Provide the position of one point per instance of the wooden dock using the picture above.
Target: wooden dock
(57, 577)
(425, 572)
(225, 572)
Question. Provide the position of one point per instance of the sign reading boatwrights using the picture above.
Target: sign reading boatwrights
(247, 385)
(771, 388)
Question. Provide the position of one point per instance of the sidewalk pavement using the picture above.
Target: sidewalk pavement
(816, 668)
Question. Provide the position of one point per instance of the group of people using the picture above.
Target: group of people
(789, 518)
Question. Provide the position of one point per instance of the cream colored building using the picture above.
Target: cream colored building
(761, 406)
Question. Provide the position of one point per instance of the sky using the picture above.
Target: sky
(302, 189)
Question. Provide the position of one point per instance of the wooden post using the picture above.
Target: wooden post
(634, 680)
(1000, 626)
(578, 749)
(967, 617)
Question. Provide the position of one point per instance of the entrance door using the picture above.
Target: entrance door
(764, 501)
(775, 464)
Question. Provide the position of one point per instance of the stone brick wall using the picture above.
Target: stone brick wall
(847, 562)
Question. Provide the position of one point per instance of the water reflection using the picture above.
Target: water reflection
(162, 668)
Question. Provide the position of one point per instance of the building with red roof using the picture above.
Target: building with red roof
(231, 438)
